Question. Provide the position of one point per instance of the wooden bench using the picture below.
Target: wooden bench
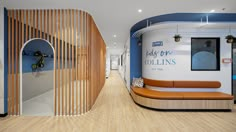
(182, 100)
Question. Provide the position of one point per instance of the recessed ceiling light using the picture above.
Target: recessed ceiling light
(114, 42)
(212, 11)
(140, 10)
(114, 36)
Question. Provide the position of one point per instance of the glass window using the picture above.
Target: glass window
(205, 54)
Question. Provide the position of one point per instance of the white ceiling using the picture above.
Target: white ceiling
(118, 16)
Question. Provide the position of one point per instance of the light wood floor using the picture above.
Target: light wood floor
(115, 111)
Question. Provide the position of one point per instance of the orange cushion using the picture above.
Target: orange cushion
(181, 95)
(197, 84)
(158, 83)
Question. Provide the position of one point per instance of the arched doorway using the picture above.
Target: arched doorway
(36, 77)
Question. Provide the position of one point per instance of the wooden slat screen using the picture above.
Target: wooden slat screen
(79, 57)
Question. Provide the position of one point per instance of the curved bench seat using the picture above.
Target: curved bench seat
(182, 100)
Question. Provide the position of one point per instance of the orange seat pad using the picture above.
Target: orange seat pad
(181, 95)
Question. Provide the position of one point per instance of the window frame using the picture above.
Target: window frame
(217, 53)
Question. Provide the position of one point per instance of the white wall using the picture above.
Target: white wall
(108, 63)
(182, 54)
(37, 83)
(1, 59)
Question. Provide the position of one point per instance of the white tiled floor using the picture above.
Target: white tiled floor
(41, 105)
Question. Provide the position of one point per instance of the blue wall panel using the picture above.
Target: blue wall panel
(5, 60)
(135, 59)
(28, 57)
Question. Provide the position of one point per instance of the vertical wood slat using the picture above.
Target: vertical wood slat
(55, 46)
(48, 34)
(9, 62)
(83, 60)
(62, 59)
(27, 30)
(72, 67)
(22, 34)
(84, 65)
(37, 25)
(51, 29)
(41, 23)
(87, 63)
(58, 64)
(22, 28)
(31, 24)
(76, 71)
(44, 24)
(66, 62)
(69, 44)
(34, 25)
(80, 64)
(12, 64)
(16, 49)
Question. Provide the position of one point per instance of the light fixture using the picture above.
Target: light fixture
(114, 36)
(177, 36)
(230, 38)
(114, 43)
(140, 10)
(212, 11)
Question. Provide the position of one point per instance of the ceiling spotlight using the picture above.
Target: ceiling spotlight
(212, 11)
(114, 36)
(140, 10)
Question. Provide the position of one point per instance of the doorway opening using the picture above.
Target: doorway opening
(114, 62)
(37, 77)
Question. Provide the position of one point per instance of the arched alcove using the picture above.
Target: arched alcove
(36, 77)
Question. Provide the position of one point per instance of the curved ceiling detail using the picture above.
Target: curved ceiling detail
(184, 17)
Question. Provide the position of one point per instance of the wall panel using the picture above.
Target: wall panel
(79, 57)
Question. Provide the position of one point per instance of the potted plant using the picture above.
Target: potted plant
(177, 37)
(230, 39)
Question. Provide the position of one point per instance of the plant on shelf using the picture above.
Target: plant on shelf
(230, 39)
(177, 37)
